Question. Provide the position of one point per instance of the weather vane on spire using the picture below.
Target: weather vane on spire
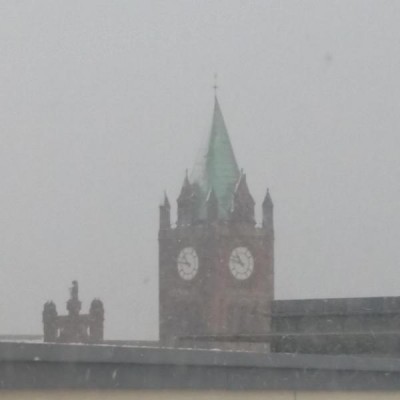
(215, 87)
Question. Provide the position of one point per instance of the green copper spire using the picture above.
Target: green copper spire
(216, 168)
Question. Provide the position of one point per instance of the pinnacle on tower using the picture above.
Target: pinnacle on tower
(166, 201)
(268, 212)
(186, 203)
(165, 213)
(186, 190)
(243, 202)
(267, 203)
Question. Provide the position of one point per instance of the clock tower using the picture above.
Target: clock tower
(216, 266)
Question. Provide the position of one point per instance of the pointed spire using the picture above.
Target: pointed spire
(216, 166)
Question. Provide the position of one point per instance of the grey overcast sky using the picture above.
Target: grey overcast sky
(103, 104)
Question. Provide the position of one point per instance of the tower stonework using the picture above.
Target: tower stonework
(216, 267)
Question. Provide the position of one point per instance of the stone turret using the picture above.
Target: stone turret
(50, 322)
(73, 327)
(96, 321)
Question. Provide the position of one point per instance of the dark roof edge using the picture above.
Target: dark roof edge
(75, 353)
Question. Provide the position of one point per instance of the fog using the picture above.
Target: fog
(103, 105)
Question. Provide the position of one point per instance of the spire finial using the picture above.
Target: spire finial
(215, 86)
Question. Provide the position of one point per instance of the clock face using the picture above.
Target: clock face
(188, 263)
(241, 263)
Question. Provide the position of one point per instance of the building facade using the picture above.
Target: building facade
(216, 271)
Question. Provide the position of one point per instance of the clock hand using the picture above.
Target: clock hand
(187, 261)
(238, 260)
